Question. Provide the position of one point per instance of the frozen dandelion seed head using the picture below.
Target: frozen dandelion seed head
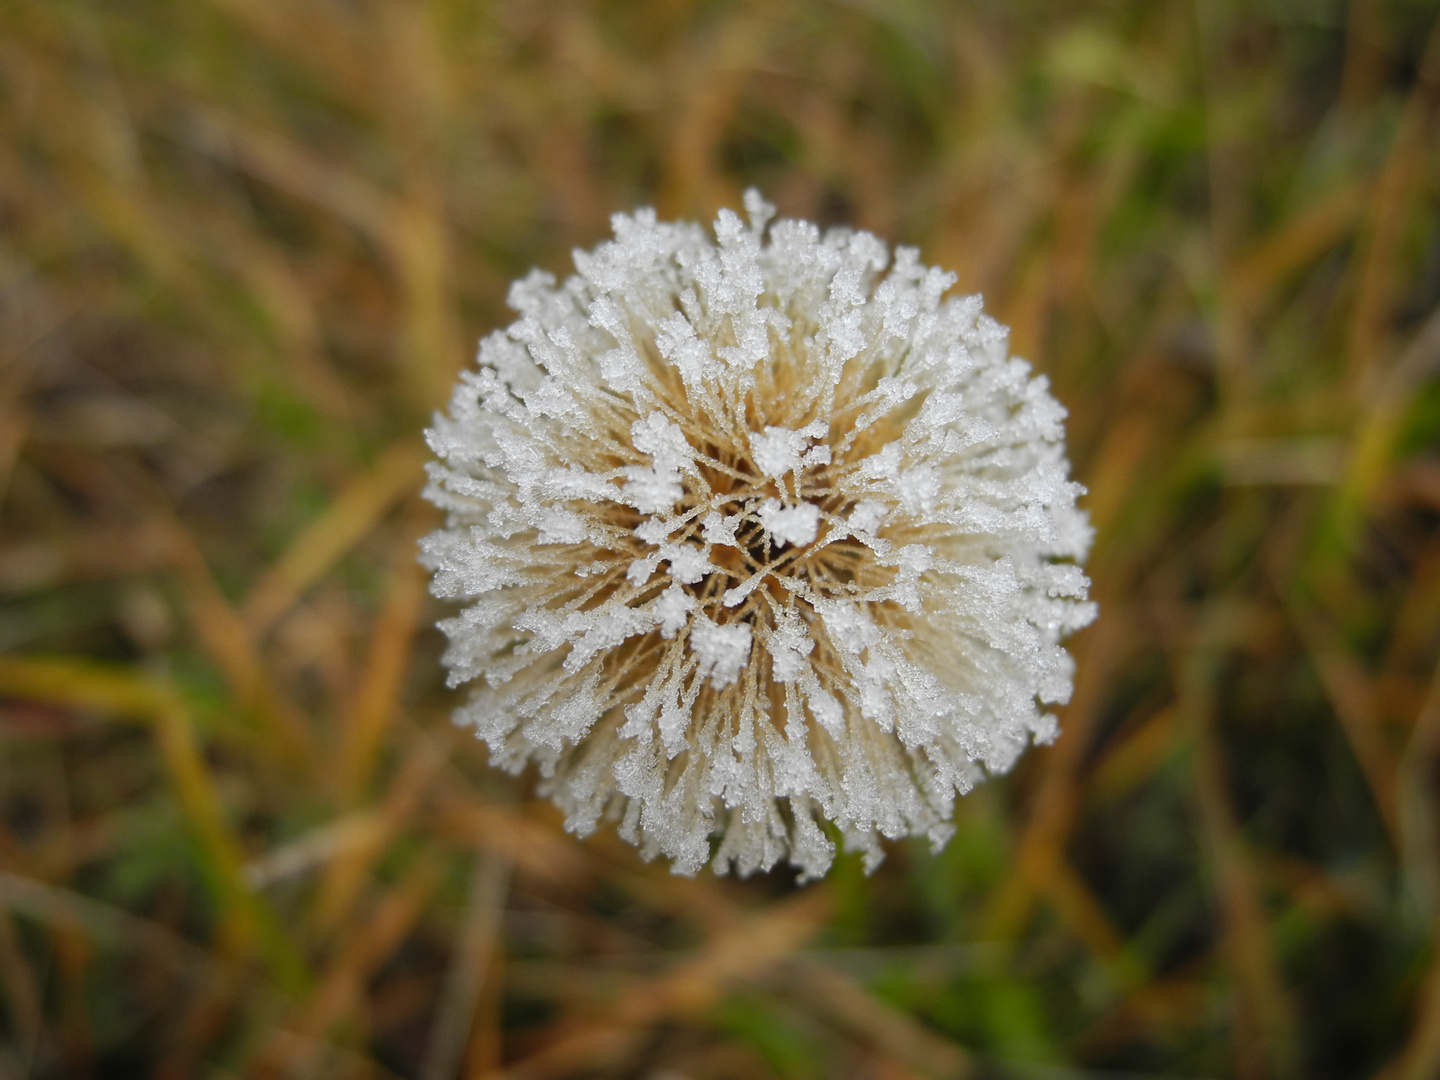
(754, 533)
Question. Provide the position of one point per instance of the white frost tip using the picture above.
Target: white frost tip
(722, 650)
(718, 530)
(790, 524)
(866, 516)
(673, 608)
(777, 451)
(634, 481)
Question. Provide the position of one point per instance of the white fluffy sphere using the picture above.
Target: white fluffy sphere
(752, 536)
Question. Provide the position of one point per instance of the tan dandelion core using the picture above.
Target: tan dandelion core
(754, 536)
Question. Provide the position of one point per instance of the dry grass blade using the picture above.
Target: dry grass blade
(22, 993)
(1270, 1046)
(744, 952)
(1419, 818)
(1379, 426)
(345, 873)
(353, 514)
(891, 1032)
(292, 168)
(1136, 757)
(1352, 695)
(338, 987)
(1420, 1057)
(89, 686)
(469, 969)
(1398, 183)
(12, 436)
(385, 668)
(106, 925)
(230, 642)
(363, 829)
(534, 847)
(1259, 272)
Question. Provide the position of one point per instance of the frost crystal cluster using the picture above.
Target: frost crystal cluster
(753, 535)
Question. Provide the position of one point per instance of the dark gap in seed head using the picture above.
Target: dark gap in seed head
(760, 548)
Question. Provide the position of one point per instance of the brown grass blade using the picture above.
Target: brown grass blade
(22, 990)
(470, 968)
(78, 684)
(225, 636)
(1265, 1014)
(1397, 185)
(1259, 272)
(1419, 1058)
(1352, 696)
(339, 986)
(102, 923)
(744, 952)
(346, 871)
(326, 539)
(386, 663)
(271, 157)
(891, 1032)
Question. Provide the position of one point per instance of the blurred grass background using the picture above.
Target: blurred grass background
(245, 245)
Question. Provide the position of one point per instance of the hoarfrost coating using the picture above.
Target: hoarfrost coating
(752, 534)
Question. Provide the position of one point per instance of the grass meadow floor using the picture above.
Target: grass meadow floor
(245, 246)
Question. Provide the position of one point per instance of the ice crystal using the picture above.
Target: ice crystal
(751, 536)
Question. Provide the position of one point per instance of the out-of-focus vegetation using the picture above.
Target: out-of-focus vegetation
(245, 245)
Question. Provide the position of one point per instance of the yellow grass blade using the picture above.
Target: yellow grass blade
(325, 540)
(87, 685)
